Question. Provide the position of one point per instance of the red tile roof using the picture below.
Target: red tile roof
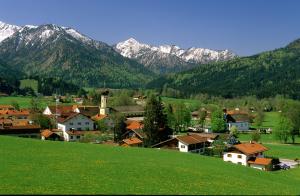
(99, 117)
(46, 133)
(132, 141)
(191, 139)
(250, 148)
(261, 161)
(135, 125)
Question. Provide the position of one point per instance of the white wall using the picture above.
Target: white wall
(79, 122)
(182, 147)
(234, 158)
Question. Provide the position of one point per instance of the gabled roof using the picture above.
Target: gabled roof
(250, 148)
(67, 116)
(260, 161)
(89, 110)
(131, 141)
(164, 142)
(2, 107)
(15, 112)
(191, 139)
(61, 109)
(206, 135)
(138, 132)
(46, 133)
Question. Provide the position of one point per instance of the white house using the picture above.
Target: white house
(248, 154)
(191, 143)
(74, 121)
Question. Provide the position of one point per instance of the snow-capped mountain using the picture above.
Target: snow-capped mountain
(145, 54)
(50, 50)
(31, 33)
(7, 30)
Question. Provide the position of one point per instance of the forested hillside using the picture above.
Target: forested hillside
(264, 75)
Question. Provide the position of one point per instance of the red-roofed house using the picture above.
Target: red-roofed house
(246, 154)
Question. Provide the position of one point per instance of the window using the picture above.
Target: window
(78, 136)
(87, 123)
(79, 129)
(182, 146)
(71, 137)
(71, 123)
(79, 123)
(239, 156)
(229, 155)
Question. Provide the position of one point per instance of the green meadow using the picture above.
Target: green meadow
(24, 102)
(30, 166)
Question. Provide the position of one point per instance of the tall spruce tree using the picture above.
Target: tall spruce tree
(119, 127)
(155, 120)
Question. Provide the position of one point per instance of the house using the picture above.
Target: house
(19, 128)
(89, 111)
(74, 121)
(51, 135)
(192, 143)
(14, 114)
(237, 118)
(132, 142)
(248, 154)
(52, 110)
(171, 144)
(135, 130)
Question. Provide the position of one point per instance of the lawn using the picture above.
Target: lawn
(287, 151)
(270, 120)
(264, 138)
(30, 166)
(192, 104)
(24, 102)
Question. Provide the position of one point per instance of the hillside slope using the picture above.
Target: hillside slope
(43, 167)
(264, 75)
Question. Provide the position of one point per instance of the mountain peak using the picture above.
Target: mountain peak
(6, 30)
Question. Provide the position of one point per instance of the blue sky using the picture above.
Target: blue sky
(244, 26)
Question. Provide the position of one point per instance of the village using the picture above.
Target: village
(84, 123)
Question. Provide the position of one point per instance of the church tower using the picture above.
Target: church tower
(103, 108)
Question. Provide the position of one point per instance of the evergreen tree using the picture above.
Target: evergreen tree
(155, 121)
(119, 127)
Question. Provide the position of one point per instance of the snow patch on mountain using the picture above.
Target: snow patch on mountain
(7, 30)
(131, 48)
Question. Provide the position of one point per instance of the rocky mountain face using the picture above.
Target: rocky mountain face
(170, 58)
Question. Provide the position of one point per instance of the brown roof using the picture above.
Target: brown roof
(206, 135)
(61, 108)
(89, 110)
(46, 133)
(99, 117)
(250, 148)
(6, 107)
(164, 142)
(131, 141)
(261, 161)
(135, 125)
(191, 139)
(14, 112)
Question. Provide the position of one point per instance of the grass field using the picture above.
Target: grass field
(287, 151)
(192, 104)
(270, 120)
(265, 138)
(24, 102)
(30, 166)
